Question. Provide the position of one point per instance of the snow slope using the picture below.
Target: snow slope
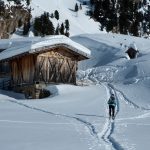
(76, 117)
(79, 23)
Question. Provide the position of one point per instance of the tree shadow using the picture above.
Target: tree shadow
(71, 9)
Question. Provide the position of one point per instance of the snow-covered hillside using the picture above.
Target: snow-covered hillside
(109, 63)
(79, 22)
(76, 117)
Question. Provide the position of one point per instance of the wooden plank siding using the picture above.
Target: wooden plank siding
(55, 67)
(51, 66)
(23, 70)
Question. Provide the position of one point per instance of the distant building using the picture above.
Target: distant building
(132, 51)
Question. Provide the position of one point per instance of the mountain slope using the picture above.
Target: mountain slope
(109, 63)
(79, 23)
(76, 117)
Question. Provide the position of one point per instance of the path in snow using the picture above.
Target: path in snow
(103, 138)
(109, 126)
(123, 97)
(90, 126)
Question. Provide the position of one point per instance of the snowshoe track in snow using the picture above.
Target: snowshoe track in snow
(91, 128)
(103, 138)
(126, 99)
(109, 126)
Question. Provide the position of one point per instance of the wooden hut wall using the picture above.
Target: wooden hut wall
(4, 68)
(56, 67)
(23, 70)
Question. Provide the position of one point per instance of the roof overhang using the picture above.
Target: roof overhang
(47, 44)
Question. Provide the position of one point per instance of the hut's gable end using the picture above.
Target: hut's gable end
(57, 67)
(61, 52)
(53, 53)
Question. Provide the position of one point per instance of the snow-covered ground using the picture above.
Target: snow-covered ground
(76, 117)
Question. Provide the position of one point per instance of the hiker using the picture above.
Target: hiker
(112, 104)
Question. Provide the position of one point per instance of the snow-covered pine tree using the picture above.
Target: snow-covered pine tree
(122, 15)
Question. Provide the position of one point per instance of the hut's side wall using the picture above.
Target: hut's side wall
(23, 70)
(57, 67)
(4, 69)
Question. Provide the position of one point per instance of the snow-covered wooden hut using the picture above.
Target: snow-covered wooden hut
(52, 59)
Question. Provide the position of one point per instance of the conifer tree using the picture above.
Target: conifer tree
(52, 15)
(57, 30)
(80, 7)
(28, 2)
(106, 5)
(43, 26)
(92, 2)
(62, 29)
(67, 34)
(56, 14)
(134, 28)
(25, 29)
(67, 24)
(122, 16)
(37, 26)
(17, 2)
(98, 12)
(2, 8)
(144, 2)
(19, 23)
(76, 7)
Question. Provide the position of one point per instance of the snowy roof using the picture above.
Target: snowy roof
(15, 47)
(133, 45)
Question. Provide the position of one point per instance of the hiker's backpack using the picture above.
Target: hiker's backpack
(112, 101)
